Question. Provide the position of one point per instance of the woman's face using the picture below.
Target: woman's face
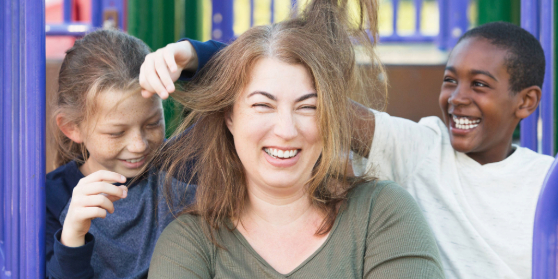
(274, 126)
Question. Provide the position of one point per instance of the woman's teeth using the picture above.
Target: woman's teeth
(465, 123)
(285, 154)
(134, 160)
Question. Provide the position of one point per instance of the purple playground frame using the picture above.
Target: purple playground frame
(79, 29)
(22, 124)
(453, 22)
(22, 136)
(537, 18)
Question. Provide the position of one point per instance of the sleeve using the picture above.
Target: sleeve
(205, 51)
(71, 262)
(399, 243)
(398, 147)
(182, 251)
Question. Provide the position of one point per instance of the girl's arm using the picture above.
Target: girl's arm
(163, 67)
(70, 249)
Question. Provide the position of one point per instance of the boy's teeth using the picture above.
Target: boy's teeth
(465, 123)
(284, 154)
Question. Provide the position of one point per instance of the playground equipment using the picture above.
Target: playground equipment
(452, 13)
(22, 124)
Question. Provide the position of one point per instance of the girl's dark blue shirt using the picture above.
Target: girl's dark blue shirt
(121, 245)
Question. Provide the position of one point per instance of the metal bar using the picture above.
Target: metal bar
(97, 13)
(458, 21)
(530, 22)
(74, 29)
(544, 232)
(222, 29)
(418, 15)
(443, 33)
(252, 8)
(272, 12)
(408, 39)
(547, 100)
(68, 11)
(395, 5)
(23, 138)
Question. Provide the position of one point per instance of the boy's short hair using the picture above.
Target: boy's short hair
(525, 61)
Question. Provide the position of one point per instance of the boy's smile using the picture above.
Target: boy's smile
(478, 106)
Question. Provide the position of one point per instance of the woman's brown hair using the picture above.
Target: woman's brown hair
(321, 39)
(104, 60)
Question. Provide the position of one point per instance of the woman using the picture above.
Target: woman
(275, 198)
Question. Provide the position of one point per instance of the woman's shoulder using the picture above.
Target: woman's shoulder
(372, 190)
(380, 198)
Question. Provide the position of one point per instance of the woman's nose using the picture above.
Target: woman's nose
(285, 126)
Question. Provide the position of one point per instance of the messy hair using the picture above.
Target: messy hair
(321, 39)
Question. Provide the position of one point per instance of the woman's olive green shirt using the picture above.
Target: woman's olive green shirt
(381, 233)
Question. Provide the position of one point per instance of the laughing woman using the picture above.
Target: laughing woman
(275, 198)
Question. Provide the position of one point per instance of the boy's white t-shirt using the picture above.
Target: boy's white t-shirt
(482, 215)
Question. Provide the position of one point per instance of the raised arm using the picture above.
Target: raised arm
(182, 59)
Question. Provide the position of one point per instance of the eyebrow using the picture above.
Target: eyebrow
(268, 95)
(473, 72)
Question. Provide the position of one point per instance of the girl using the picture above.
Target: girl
(107, 132)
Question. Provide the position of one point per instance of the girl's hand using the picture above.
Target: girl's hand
(162, 68)
(91, 198)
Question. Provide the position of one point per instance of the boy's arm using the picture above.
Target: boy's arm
(394, 147)
(363, 129)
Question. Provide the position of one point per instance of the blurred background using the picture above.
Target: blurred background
(415, 36)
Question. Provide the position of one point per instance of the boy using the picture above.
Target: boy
(477, 190)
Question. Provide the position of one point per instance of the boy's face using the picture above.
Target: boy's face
(477, 105)
(124, 133)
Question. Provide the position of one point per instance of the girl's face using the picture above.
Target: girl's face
(274, 126)
(123, 133)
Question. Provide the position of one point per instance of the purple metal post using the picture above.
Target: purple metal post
(272, 11)
(68, 11)
(547, 100)
(395, 5)
(418, 16)
(252, 8)
(443, 33)
(97, 13)
(222, 29)
(22, 124)
(545, 238)
(458, 21)
(530, 22)
(73, 29)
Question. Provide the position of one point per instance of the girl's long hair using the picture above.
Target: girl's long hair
(104, 60)
(322, 39)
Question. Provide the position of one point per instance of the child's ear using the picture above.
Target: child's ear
(529, 99)
(69, 128)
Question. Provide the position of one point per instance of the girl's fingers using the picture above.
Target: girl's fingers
(163, 71)
(107, 189)
(124, 194)
(168, 55)
(103, 175)
(99, 201)
(92, 212)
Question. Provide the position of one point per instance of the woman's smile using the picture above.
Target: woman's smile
(281, 158)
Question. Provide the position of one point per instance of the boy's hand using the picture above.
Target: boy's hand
(162, 68)
(91, 198)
